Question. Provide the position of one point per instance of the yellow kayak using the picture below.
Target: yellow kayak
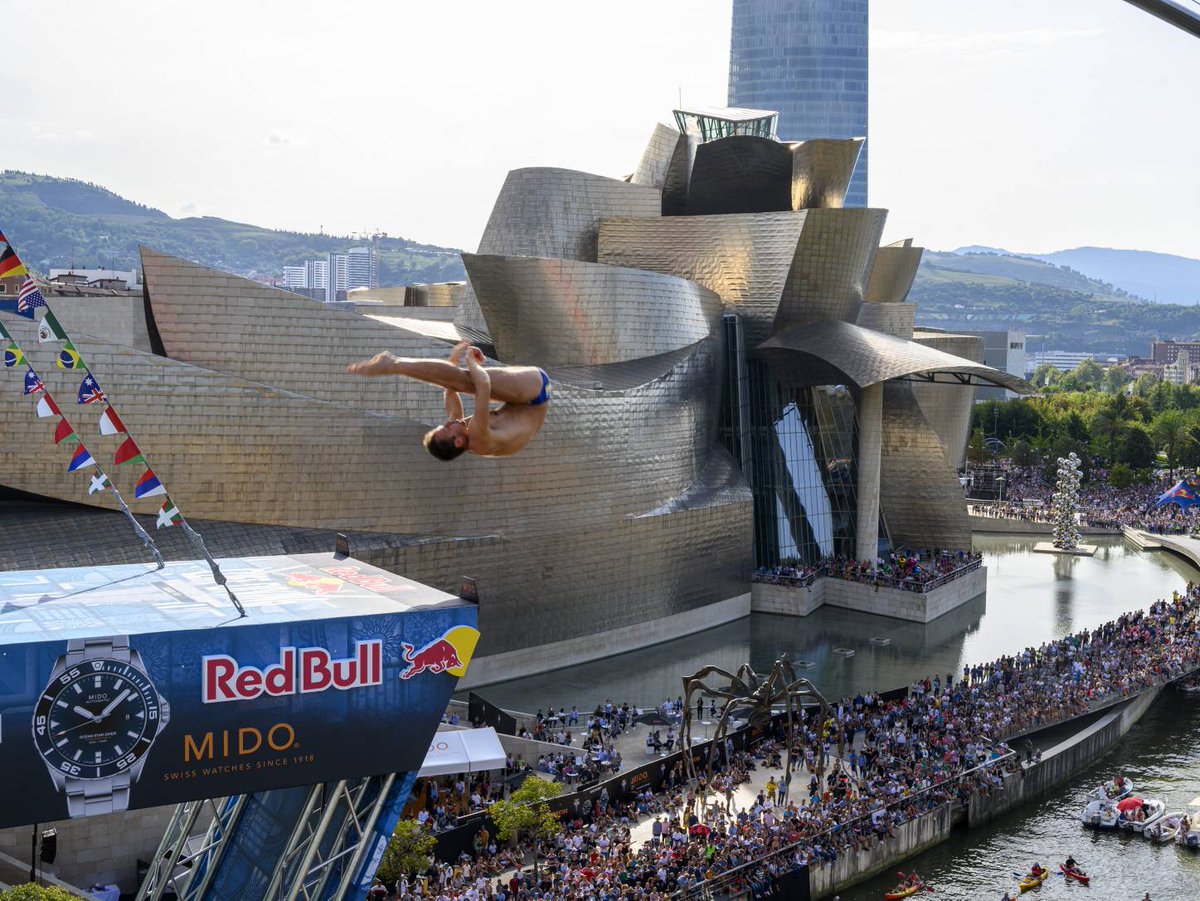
(1031, 881)
(898, 893)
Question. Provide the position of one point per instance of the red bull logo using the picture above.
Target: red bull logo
(299, 671)
(449, 654)
(313, 582)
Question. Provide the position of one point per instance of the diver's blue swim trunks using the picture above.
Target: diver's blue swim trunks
(545, 392)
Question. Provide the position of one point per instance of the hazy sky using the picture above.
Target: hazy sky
(1025, 124)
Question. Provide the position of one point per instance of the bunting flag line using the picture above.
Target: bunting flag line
(89, 390)
(47, 407)
(49, 329)
(64, 432)
(29, 298)
(68, 357)
(128, 452)
(32, 383)
(148, 485)
(110, 422)
(11, 265)
(168, 515)
(81, 459)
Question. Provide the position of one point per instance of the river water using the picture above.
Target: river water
(1161, 755)
(1031, 598)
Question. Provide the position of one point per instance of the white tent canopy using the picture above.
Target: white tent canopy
(463, 751)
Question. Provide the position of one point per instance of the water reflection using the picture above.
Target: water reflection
(1031, 598)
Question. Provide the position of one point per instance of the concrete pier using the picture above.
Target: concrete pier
(914, 606)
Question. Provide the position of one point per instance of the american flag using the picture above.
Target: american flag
(29, 297)
(89, 391)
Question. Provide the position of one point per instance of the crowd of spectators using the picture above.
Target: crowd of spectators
(863, 768)
(905, 568)
(1028, 494)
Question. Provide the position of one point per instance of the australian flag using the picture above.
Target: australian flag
(89, 391)
(33, 384)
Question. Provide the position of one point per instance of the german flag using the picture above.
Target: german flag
(11, 265)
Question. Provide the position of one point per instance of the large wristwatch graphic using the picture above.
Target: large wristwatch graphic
(95, 722)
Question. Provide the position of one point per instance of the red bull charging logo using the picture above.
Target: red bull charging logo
(449, 654)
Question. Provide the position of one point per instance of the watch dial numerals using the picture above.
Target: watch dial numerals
(97, 719)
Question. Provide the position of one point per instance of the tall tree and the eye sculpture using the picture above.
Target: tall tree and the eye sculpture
(756, 695)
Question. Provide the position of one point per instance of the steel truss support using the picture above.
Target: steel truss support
(174, 864)
(323, 854)
(326, 846)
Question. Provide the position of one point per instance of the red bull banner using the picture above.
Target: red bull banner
(143, 691)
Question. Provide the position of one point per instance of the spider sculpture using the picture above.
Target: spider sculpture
(757, 696)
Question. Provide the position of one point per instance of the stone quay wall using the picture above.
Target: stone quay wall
(1058, 764)
(914, 606)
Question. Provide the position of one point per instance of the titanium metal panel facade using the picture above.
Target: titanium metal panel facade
(544, 312)
(549, 212)
(919, 493)
(806, 59)
(744, 174)
(256, 424)
(948, 407)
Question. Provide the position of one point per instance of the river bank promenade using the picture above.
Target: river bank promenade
(911, 770)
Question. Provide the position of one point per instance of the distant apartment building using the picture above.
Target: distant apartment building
(1004, 350)
(329, 279)
(116, 279)
(362, 268)
(1062, 360)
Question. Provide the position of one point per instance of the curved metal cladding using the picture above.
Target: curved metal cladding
(829, 274)
(948, 407)
(745, 259)
(838, 353)
(679, 176)
(439, 294)
(894, 319)
(821, 172)
(262, 425)
(548, 212)
(652, 168)
(748, 174)
(548, 312)
(893, 272)
(741, 174)
(919, 492)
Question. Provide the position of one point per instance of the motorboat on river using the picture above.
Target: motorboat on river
(1100, 815)
(1113, 790)
(1137, 814)
(1190, 837)
(1165, 829)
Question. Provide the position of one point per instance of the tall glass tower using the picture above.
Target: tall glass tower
(806, 59)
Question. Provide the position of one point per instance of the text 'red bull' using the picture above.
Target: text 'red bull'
(299, 671)
(436, 657)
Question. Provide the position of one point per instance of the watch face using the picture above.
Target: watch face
(96, 719)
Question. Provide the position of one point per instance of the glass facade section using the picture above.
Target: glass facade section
(807, 59)
(797, 447)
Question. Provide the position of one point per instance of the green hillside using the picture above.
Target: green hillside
(988, 290)
(995, 268)
(56, 222)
